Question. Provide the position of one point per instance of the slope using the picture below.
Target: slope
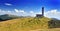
(24, 24)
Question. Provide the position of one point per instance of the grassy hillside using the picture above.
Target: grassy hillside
(24, 24)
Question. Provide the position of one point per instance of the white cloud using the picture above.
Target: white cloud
(8, 4)
(31, 12)
(16, 10)
(53, 14)
(21, 11)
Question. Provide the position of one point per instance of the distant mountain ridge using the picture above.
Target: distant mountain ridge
(7, 17)
(54, 19)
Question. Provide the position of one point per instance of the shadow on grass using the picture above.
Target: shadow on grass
(54, 24)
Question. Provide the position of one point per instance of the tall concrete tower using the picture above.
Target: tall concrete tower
(42, 11)
(41, 15)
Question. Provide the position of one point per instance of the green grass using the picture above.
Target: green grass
(24, 24)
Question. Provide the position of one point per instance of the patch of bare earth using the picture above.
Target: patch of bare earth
(53, 29)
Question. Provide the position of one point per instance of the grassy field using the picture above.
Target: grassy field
(25, 24)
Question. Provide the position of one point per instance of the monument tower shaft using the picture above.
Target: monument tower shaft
(42, 11)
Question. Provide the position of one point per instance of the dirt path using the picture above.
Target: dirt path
(55, 29)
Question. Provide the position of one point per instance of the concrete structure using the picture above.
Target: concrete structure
(41, 15)
(42, 11)
(38, 15)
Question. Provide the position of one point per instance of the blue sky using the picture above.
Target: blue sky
(30, 7)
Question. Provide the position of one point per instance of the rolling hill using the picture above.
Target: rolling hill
(24, 24)
(27, 23)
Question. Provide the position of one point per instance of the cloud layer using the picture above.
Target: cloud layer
(51, 14)
(17, 12)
